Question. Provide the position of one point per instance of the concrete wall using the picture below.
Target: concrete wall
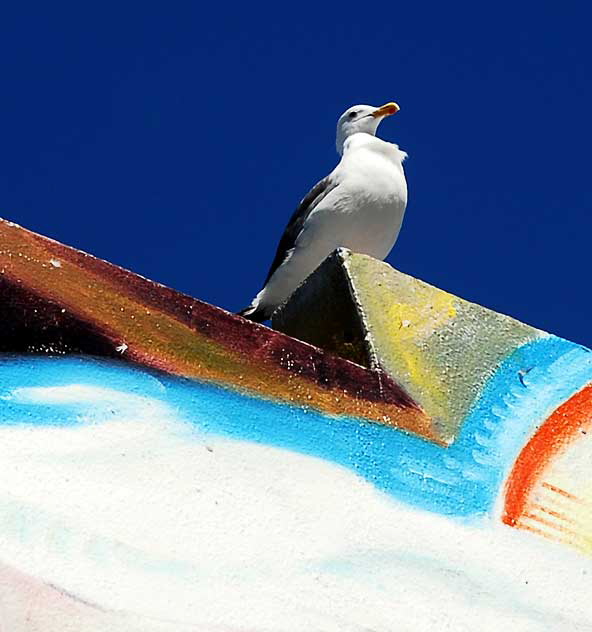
(168, 466)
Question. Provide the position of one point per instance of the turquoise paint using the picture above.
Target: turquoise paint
(462, 480)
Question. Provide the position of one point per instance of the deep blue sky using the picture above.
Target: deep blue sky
(175, 139)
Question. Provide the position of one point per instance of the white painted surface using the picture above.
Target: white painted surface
(134, 513)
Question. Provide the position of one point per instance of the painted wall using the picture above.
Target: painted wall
(144, 496)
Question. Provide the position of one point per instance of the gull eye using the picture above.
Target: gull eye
(352, 115)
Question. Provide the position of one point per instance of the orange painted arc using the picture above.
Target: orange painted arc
(560, 429)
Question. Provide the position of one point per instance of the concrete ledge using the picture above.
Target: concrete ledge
(55, 300)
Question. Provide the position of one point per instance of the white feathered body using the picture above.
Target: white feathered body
(363, 213)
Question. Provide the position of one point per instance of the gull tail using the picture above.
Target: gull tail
(259, 310)
(255, 313)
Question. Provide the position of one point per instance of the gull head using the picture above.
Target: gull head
(362, 118)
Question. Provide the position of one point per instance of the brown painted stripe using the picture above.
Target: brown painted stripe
(556, 514)
(561, 492)
(170, 331)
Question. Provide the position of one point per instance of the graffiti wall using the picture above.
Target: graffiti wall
(169, 466)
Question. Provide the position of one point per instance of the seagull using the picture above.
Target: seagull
(359, 206)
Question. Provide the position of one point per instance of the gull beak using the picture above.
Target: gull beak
(386, 110)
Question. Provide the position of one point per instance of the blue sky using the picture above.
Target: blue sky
(176, 139)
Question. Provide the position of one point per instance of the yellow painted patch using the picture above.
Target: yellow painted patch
(439, 347)
(410, 324)
(415, 322)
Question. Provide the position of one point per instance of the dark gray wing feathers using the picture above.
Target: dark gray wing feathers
(300, 215)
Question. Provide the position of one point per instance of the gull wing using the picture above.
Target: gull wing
(308, 204)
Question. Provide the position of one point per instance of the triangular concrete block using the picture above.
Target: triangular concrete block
(440, 348)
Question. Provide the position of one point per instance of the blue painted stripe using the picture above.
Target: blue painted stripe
(461, 480)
